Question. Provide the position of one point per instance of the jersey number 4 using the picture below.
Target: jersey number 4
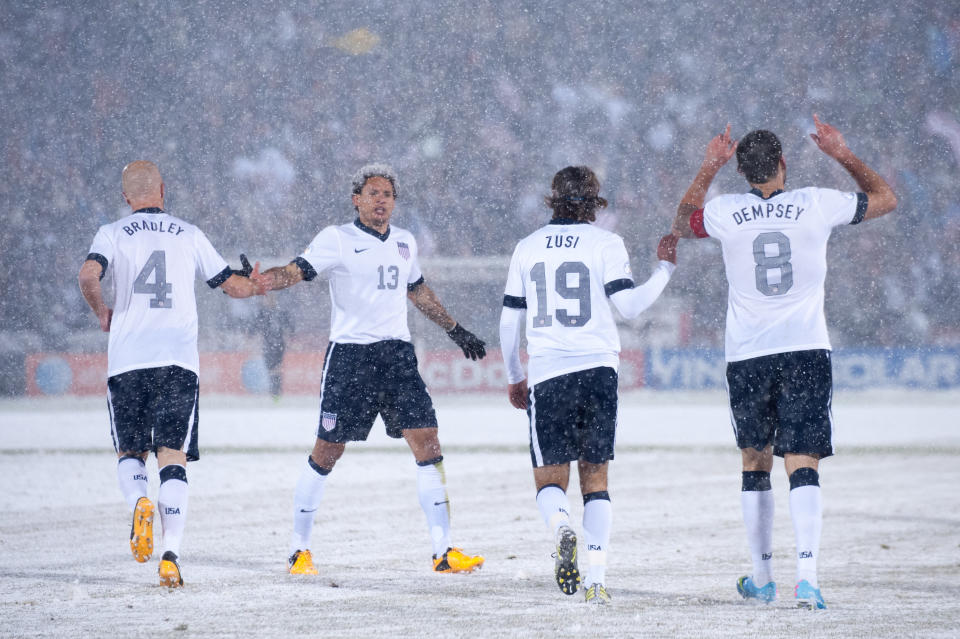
(160, 289)
(766, 263)
(580, 292)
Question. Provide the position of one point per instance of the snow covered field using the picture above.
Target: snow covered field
(890, 563)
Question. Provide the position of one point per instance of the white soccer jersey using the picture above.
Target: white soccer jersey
(775, 255)
(562, 274)
(155, 259)
(370, 274)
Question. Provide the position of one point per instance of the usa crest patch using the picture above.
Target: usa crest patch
(404, 250)
(328, 421)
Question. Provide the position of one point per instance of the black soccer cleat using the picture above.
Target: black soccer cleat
(565, 568)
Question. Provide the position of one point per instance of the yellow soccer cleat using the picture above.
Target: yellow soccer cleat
(301, 563)
(169, 571)
(455, 560)
(141, 530)
(597, 595)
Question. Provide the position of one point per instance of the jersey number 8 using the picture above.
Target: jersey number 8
(580, 292)
(766, 263)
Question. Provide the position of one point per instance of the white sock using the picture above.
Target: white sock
(306, 499)
(597, 520)
(806, 510)
(172, 503)
(132, 478)
(554, 507)
(758, 510)
(432, 490)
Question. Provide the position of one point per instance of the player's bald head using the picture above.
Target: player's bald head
(142, 182)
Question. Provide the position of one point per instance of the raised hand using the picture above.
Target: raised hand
(720, 149)
(828, 139)
(667, 248)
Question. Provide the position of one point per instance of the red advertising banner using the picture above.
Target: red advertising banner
(240, 373)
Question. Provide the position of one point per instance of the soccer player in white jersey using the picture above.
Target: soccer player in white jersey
(152, 358)
(774, 245)
(562, 276)
(370, 366)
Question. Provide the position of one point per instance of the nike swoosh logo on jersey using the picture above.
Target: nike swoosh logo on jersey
(360, 250)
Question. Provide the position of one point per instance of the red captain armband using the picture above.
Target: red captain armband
(696, 224)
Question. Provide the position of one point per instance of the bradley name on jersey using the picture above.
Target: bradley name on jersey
(150, 225)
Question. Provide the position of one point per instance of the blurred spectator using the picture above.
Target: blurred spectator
(260, 116)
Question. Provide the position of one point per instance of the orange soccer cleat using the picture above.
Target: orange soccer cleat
(141, 530)
(455, 560)
(169, 571)
(301, 563)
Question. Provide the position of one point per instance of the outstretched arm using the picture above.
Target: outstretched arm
(89, 279)
(631, 302)
(429, 304)
(278, 277)
(880, 197)
(719, 150)
(241, 286)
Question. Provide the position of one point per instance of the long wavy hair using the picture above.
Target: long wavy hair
(575, 194)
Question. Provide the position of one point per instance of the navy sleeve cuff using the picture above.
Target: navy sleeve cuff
(511, 301)
(861, 208)
(308, 272)
(220, 277)
(101, 260)
(617, 285)
(412, 286)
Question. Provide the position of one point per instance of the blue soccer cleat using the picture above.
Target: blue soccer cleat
(808, 597)
(749, 590)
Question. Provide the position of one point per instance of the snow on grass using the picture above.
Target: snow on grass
(890, 564)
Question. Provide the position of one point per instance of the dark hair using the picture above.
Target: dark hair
(575, 194)
(758, 156)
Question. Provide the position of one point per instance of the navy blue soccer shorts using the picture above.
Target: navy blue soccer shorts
(785, 400)
(573, 417)
(361, 381)
(155, 407)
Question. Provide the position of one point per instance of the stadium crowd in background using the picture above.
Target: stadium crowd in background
(257, 117)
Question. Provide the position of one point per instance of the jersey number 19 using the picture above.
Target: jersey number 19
(580, 292)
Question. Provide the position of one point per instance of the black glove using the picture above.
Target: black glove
(472, 346)
(247, 268)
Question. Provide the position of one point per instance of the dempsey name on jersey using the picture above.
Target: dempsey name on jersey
(766, 211)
